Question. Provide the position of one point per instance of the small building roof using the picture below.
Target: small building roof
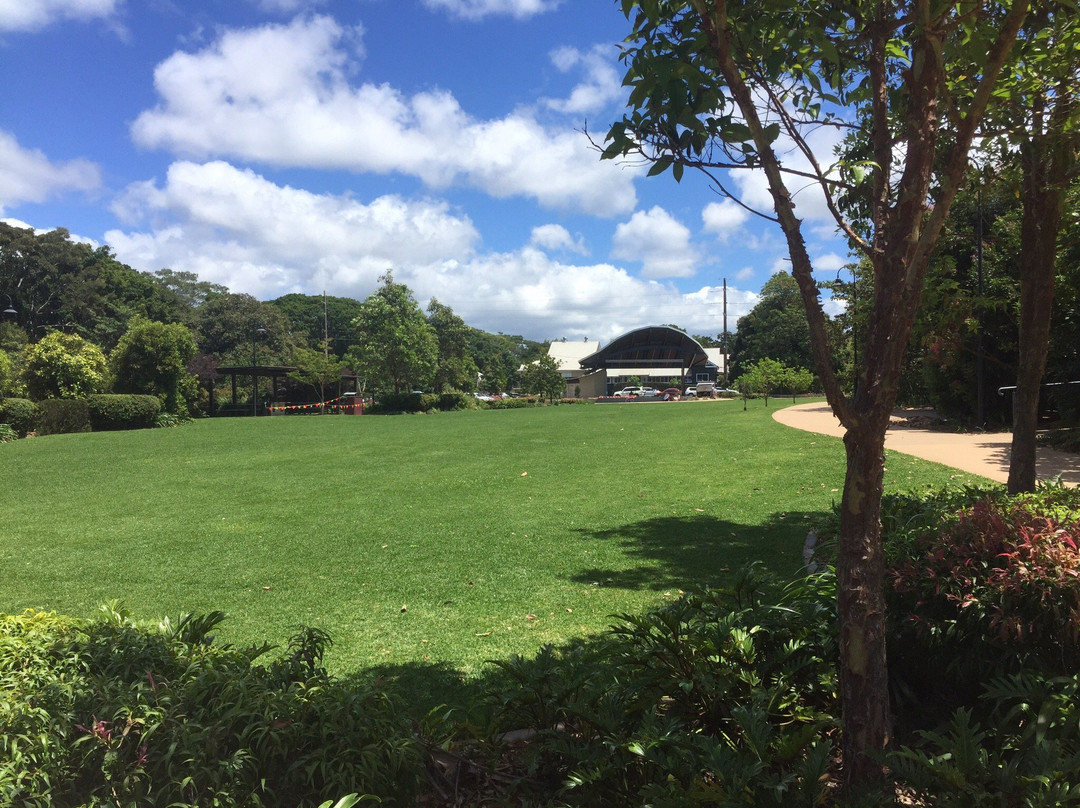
(570, 354)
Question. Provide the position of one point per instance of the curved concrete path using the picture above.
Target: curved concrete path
(985, 454)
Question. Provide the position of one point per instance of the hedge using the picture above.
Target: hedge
(111, 411)
(20, 414)
(63, 415)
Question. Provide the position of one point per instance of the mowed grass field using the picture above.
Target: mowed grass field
(445, 539)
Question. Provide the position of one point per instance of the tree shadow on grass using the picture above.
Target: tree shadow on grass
(698, 551)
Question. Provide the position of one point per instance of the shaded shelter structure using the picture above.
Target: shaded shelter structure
(658, 355)
(254, 372)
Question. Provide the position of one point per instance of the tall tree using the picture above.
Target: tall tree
(226, 324)
(455, 369)
(321, 317)
(1042, 119)
(396, 348)
(775, 328)
(723, 85)
(542, 378)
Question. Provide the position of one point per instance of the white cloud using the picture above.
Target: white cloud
(281, 95)
(33, 15)
(478, 9)
(724, 219)
(602, 84)
(526, 292)
(556, 237)
(27, 175)
(236, 228)
(659, 241)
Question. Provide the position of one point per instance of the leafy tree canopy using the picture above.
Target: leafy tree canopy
(152, 359)
(396, 348)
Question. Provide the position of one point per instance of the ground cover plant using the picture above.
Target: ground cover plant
(416, 540)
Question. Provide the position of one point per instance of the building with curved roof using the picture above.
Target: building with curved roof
(659, 356)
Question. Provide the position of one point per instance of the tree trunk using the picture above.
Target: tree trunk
(861, 609)
(1046, 161)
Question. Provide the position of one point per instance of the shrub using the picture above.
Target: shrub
(1004, 578)
(7, 434)
(63, 415)
(21, 414)
(1026, 753)
(104, 712)
(710, 697)
(109, 411)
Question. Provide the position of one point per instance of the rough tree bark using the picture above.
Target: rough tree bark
(1047, 158)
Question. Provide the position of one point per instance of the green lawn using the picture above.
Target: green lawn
(450, 538)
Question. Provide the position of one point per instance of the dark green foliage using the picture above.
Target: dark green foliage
(307, 314)
(7, 434)
(1025, 753)
(20, 414)
(422, 402)
(104, 712)
(60, 416)
(712, 700)
(123, 411)
(56, 282)
(152, 358)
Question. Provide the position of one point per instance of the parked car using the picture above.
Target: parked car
(690, 392)
(727, 391)
(671, 394)
(649, 392)
(629, 392)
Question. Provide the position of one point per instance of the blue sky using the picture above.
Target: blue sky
(279, 146)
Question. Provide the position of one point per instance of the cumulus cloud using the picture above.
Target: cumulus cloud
(33, 15)
(281, 95)
(659, 241)
(234, 227)
(27, 175)
(478, 9)
(601, 85)
(527, 292)
(556, 237)
(724, 219)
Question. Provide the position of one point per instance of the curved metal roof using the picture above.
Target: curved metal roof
(653, 346)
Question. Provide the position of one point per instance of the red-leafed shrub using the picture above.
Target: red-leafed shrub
(1000, 584)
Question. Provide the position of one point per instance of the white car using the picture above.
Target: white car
(631, 392)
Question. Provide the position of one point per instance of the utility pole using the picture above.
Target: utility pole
(723, 337)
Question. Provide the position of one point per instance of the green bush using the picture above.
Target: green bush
(21, 414)
(111, 411)
(1026, 752)
(63, 415)
(710, 697)
(106, 713)
(7, 434)
(999, 583)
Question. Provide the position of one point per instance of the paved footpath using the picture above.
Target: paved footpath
(985, 454)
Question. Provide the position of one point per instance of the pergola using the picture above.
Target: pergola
(272, 372)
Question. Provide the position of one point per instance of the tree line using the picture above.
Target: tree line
(77, 321)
